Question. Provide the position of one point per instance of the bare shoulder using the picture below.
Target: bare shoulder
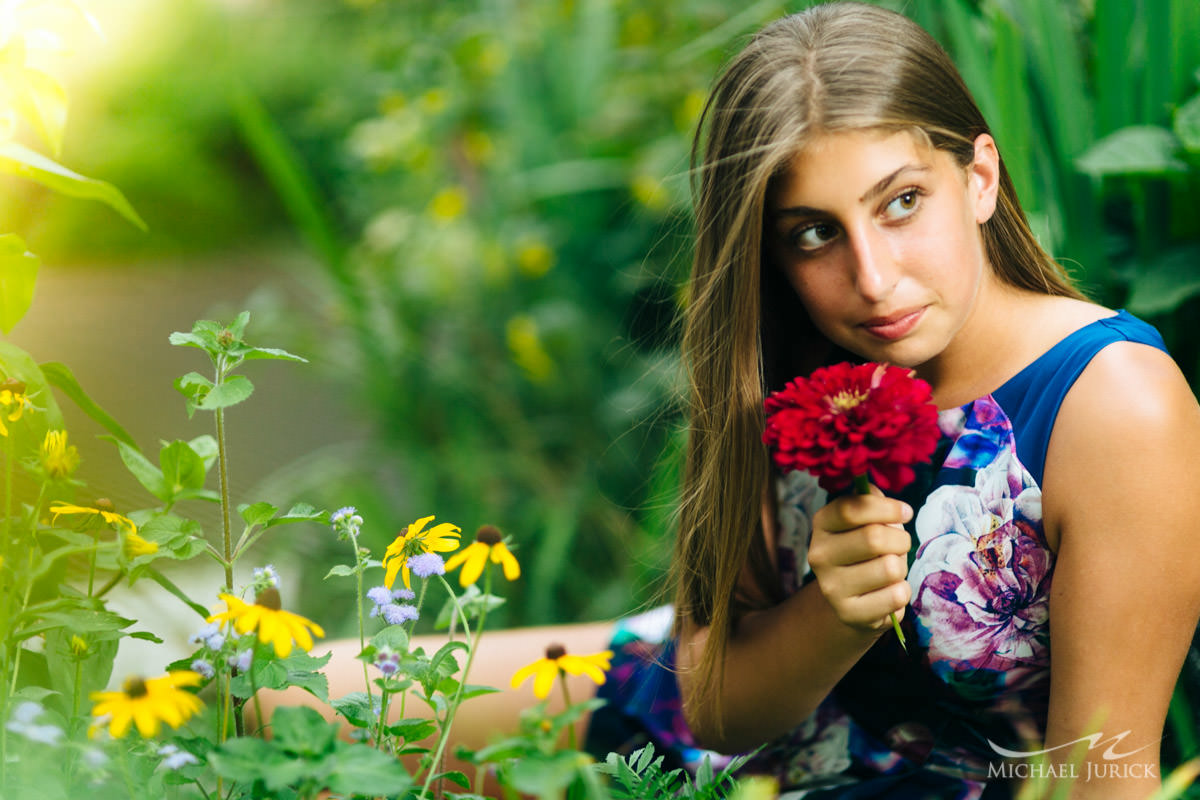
(1128, 430)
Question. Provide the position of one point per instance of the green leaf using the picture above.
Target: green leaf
(392, 637)
(206, 447)
(341, 571)
(18, 275)
(182, 468)
(413, 730)
(231, 391)
(195, 387)
(546, 776)
(303, 730)
(359, 769)
(1187, 125)
(1144, 150)
(1166, 283)
(176, 537)
(257, 353)
(169, 585)
(356, 708)
(301, 512)
(60, 377)
(473, 602)
(19, 160)
(258, 513)
(146, 473)
(247, 759)
(298, 669)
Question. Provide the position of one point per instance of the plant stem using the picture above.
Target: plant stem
(562, 679)
(223, 472)
(6, 592)
(359, 565)
(462, 684)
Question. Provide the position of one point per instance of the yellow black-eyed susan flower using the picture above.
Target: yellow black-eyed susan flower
(13, 402)
(557, 660)
(274, 625)
(488, 544)
(58, 459)
(415, 540)
(103, 509)
(146, 702)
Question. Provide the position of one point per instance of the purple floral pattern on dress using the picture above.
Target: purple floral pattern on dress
(981, 578)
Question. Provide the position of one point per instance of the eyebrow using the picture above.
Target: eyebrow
(876, 190)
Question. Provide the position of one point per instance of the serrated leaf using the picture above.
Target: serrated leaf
(413, 730)
(356, 708)
(231, 391)
(19, 160)
(18, 276)
(1143, 150)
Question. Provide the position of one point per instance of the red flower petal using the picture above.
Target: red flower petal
(853, 419)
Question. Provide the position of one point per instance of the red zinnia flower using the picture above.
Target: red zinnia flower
(850, 420)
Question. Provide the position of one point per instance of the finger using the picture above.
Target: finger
(857, 545)
(874, 609)
(866, 577)
(854, 511)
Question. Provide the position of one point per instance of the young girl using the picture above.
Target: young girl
(852, 205)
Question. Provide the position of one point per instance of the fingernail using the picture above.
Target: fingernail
(906, 512)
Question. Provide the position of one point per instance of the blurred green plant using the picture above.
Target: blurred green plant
(32, 100)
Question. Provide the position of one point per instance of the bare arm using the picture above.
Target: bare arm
(781, 662)
(1122, 496)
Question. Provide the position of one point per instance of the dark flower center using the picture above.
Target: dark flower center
(555, 651)
(1005, 602)
(104, 504)
(269, 598)
(135, 687)
(13, 385)
(489, 535)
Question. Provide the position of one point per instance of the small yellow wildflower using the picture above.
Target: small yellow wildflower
(274, 625)
(448, 204)
(414, 540)
(79, 645)
(488, 543)
(59, 459)
(146, 702)
(534, 257)
(103, 508)
(137, 546)
(13, 402)
(557, 660)
(525, 346)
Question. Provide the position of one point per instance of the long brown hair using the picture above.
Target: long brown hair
(843, 66)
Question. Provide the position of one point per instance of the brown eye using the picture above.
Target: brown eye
(814, 237)
(902, 205)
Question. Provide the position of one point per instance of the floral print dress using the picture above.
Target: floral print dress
(976, 676)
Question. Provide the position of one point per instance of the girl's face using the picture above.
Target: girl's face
(879, 235)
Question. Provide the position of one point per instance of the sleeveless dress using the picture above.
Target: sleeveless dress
(928, 722)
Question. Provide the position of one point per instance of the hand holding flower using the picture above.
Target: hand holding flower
(849, 424)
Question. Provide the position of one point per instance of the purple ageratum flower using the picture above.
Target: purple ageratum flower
(427, 564)
(380, 595)
(24, 722)
(387, 662)
(398, 614)
(210, 636)
(265, 577)
(404, 594)
(346, 522)
(241, 661)
(174, 758)
(204, 668)
(342, 514)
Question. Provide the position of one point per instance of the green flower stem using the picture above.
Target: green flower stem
(5, 600)
(359, 566)
(562, 679)
(462, 684)
(863, 486)
(262, 723)
(223, 472)
(133, 795)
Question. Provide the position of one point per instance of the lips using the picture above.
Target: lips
(894, 326)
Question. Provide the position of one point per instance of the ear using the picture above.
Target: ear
(983, 175)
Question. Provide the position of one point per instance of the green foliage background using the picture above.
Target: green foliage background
(496, 192)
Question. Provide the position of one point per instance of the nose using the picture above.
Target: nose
(875, 272)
